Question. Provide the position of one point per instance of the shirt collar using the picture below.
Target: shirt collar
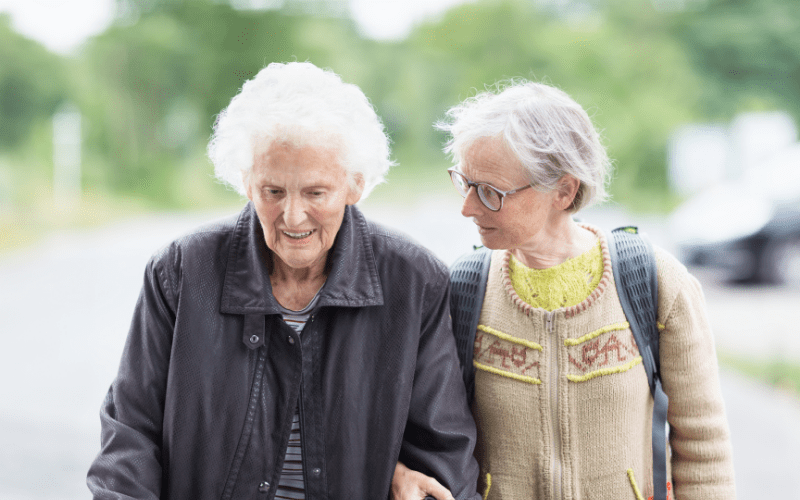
(352, 281)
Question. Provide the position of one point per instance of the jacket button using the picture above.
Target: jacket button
(254, 339)
(263, 487)
(291, 340)
(316, 471)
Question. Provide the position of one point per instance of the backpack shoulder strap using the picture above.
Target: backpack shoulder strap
(468, 276)
(634, 266)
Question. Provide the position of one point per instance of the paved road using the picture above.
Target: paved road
(65, 305)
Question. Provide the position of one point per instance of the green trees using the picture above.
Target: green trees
(150, 86)
(749, 50)
(32, 85)
(153, 88)
(633, 78)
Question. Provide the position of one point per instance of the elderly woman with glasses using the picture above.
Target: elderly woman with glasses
(296, 350)
(562, 401)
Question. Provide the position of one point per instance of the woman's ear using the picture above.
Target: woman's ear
(567, 189)
(356, 189)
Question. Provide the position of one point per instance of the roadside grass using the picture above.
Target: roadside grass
(36, 221)
(37, 213)
(778, 373)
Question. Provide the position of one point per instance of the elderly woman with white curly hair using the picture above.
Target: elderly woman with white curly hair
(295, 350)
(561, 398)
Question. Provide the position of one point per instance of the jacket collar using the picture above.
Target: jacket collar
(353, 279)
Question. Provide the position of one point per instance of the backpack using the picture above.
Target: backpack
(634, 268)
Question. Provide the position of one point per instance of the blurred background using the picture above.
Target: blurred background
(106, 107)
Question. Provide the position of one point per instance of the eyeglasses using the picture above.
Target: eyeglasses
(490, 196)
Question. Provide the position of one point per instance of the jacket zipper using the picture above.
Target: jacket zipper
(554, 420)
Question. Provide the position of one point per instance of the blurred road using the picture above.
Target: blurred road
(65, 305)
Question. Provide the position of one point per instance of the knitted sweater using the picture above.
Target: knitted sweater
(562, 403)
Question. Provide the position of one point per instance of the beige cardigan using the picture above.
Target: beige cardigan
(562, 403)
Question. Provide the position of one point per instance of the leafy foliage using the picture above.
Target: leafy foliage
(151, 85)
(31, 85)
(750, 50)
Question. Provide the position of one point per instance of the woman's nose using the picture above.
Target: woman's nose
(294, 214)
(472, 205)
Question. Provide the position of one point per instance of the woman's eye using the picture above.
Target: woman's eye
(273, 193)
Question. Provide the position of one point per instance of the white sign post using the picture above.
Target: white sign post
(67, 157)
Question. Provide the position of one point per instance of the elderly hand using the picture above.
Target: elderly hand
(408, 484)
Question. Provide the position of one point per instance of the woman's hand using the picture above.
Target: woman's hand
(409, 484)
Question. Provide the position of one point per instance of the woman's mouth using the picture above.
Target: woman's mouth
(298, 236)
(482, 229)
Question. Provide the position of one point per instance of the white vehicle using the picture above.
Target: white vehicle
(750, 227)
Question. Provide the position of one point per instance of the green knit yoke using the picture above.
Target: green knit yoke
(566, 284)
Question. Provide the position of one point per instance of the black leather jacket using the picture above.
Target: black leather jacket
(202, 405)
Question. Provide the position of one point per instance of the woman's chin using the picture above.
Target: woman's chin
(490, 242)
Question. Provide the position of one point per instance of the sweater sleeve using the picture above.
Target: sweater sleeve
(702, 463)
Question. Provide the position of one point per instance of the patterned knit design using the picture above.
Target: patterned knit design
(578, 433)
(566, 284)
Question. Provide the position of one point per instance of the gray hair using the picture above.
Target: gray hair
(546, 130)
(303, 105)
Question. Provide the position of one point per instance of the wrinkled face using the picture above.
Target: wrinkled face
(299, 194)
(525, 215)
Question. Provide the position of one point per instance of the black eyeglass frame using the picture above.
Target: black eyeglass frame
(501, 194)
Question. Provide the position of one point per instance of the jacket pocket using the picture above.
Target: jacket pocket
(485, 483)
(638, 492)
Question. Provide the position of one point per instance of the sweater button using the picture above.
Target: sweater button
(263, 487)
(291, 340)
(316, 471)
(254, 339)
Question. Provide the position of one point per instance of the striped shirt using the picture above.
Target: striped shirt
(290, 484)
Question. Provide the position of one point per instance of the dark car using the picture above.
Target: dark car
(748, 228)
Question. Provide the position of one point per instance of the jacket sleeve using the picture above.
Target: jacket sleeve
(129, 462)
(702, 463)
(440, 433)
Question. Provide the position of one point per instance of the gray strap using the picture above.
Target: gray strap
(634, 267)
(468, 276)
(659, 442)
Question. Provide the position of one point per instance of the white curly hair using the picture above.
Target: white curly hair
(303, 105)
(545, 128)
